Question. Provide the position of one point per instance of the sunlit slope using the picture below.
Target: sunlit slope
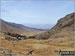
(40, 47)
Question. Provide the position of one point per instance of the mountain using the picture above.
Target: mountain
(60, 37)
(39, 26)
(64, 26)
(17, 28)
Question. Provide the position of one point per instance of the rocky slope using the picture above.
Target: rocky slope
(65, 24)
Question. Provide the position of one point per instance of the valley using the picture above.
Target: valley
(50, 42)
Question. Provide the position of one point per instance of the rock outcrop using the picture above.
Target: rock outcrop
(66, 23)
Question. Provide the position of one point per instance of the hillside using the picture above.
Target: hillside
(17, 28)
(62, 38)
(65, 24)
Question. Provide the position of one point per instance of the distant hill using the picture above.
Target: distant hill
(39, 26)
(17, 28)
(64, 25)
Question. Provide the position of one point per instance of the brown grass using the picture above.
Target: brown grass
(40, 47)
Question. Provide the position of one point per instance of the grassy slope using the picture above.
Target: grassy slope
(17, 28)
(41, 47)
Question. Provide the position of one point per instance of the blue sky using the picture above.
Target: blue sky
(35, 12)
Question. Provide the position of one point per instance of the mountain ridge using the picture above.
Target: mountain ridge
(16, 28)
(39, 26)
(64, 22)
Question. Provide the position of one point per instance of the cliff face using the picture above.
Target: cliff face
(65, 24)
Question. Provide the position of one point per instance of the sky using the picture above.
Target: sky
(35, 12)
